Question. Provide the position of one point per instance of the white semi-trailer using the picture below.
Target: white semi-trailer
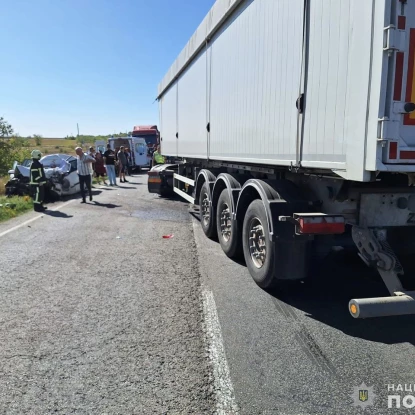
(294, 125)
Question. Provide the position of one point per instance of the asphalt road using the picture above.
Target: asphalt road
(300, 352)
(100, 314)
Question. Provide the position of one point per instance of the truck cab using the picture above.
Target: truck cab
(151, 135)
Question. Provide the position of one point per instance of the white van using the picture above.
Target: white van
(137, 145)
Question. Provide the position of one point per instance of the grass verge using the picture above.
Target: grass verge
(3, 181)
(18, 206)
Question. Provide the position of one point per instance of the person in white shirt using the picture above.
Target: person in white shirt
(84, 165)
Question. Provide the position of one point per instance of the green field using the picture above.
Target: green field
(56, 145)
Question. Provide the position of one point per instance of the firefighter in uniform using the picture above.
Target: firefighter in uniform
(37, 181)
(157, 157)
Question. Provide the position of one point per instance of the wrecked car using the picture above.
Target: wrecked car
(60, 170)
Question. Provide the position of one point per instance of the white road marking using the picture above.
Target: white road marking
(33, 219)
(225, 397)
(223, 388)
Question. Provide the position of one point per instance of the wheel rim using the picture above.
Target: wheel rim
(205, 209)
(225, 222)
(257, 244)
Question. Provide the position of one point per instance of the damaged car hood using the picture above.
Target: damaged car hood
(60, 171)
(53, 164)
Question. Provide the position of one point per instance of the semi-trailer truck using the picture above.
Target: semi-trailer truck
(293, 123)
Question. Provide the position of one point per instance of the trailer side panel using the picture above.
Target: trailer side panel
(192, 104)
(255, 82)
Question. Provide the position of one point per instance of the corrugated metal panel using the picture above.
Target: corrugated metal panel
(359, 67)
(217, 14)
(192, 104)
(327, 81)
(168, 122)
(255, 70)
(252, 80)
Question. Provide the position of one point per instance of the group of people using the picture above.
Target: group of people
(88, 165)
(94, 162)
(104, 164)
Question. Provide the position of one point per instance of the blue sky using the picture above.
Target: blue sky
(95, 62)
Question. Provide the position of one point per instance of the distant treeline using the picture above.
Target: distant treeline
(91, 138)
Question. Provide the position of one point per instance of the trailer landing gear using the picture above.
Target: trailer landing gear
(375, 251)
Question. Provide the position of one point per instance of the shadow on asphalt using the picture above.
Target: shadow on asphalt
(175, 198)
(140, 173)
(195, 215)
(57, 214)
(106, 205)
(326, 295)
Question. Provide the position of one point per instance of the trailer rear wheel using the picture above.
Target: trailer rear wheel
(257, 246)
(207, 217)
(229, 233)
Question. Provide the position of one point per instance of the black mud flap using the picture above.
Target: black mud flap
(160, 179)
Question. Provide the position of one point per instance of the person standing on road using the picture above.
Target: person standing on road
(84, 167)
(157, 157)
(99, 168)
(122, 160)
(91, 153)
(129, 161)
(37, 181)
(109, 161)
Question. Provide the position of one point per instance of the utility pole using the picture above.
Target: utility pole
(82, 142)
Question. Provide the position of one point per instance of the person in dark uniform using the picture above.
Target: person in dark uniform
(37, 181)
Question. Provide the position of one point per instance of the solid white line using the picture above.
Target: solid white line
(33, 219)
(225, 397)
(223, 388)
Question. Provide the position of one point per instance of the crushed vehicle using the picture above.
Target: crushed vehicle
(60, 170)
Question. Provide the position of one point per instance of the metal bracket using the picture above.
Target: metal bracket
(393, 39)
(289, 219)
(375, 251)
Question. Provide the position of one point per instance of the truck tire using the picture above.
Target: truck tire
(257, 246)
(229, 233)
(207, 217)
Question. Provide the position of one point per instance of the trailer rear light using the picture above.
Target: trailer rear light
(154, 180)
(315, 223)
(321, 224)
